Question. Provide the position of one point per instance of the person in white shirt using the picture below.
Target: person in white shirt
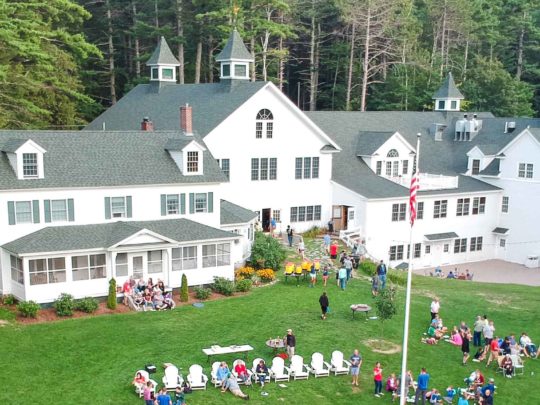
(435, 306)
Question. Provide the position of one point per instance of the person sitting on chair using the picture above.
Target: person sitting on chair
(139, 381)
(222, 372)
(262, 371)
(508, 366)
(241, 371)
(529, 348)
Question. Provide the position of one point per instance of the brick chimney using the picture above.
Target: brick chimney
(147, 125)
(186, 121)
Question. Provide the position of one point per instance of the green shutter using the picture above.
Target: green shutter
(71, 210)
(107, 207)
(35, 211)
(183, 203)
(191, 203)
(11, 212)
(163, 205)
(128, 207)
(47, 208)
(210, 202)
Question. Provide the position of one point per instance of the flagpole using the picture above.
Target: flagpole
(402, 397)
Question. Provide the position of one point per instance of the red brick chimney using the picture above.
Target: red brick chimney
(147, 125)
(186, 120)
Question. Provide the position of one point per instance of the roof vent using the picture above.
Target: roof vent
(509, 127)
(460, 128)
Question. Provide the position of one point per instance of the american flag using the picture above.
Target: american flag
(412, 196)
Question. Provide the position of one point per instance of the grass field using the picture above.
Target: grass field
(93, 360)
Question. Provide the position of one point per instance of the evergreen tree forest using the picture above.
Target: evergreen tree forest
(63, 61)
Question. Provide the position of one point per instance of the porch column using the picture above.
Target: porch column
(166, 265)
(112, 264)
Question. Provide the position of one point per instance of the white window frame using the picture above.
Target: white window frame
(170, 204)
(440, 209)
(505, 204)
(399, 212)
(463, 207)
(475, 167)
(201, 204)
(121, 265)
(93, 270)
(19, 205)
(17, 270)
(479, 205)
(154, 263)
(184, 258)
(192, 161)
(525, 170)
(56, 211)
(209, 255)
(121, 210)
(30, 163)
(264, 124)
(48, 273)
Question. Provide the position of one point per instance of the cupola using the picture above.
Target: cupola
(162, 63)
(448, 97)
(234, 59)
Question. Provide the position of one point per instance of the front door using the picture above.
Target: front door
(266, 219)
(137, 267)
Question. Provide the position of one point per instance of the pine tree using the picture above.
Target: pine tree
(184, 293)
(111, 299)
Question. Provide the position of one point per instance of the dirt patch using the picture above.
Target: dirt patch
(382, 346)
(426, 293)
(3, 322)
(498, 300)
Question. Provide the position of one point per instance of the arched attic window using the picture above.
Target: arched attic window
(392, 166)
(392, 153)
(264, 123)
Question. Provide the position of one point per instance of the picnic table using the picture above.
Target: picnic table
(275, 344)
(217, 350)
(360, 308)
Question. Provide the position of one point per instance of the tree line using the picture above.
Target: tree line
(62, 61)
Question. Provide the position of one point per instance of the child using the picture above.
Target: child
(148, 393)
(375, 286)
(313, 275)
(325, 275)
(179, 396)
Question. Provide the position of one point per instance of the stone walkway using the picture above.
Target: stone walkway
(494, 271)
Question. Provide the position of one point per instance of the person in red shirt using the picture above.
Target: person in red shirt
(127, 290)
(493, 350)
(333, 250)
(377, 379)
(241, 371)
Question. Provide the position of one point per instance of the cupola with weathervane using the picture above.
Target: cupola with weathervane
(162, 63)
(234, 59)
(448, 97)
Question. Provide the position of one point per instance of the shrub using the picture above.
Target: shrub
(267, 252)
(64, 305)
(223, 286)
(368, 267)
(87, 304)
(111, 299)
(8, 299)
(313, 232)
(202, 293)
(244, 285)
(184, 293)
(244, 273)
(266, 275)
(397, 277)
(28, 309)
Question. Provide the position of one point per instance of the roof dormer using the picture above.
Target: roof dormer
(188, 155)
(448, 97)
(162, 63)
(234, 59)
(26, 158)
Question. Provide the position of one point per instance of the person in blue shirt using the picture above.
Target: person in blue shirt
(222, 372)
(163, 398)
(463, 399)
(422, 388)
(327, 241)
(381, 272)
(342, 276)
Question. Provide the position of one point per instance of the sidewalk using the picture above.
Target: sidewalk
(494, 271)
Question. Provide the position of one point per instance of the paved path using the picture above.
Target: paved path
(495, 271)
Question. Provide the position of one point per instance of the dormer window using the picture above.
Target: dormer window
(193, 162)
(264, 124)
(240, 70)
(30, 165)
(155, 73)
(226, 70)
(392, 153)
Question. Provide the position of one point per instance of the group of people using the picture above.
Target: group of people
(147, 295)
(161, 397)
(455, 274)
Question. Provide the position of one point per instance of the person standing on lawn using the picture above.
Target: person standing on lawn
(342, 277)
(289, 235)
(377, 379)
(422, 386)
(435, 306)
(323, 301)
(347, 262)
(477, 331)
(356, 363)
(163, 398)
(327, 241)
(465, 340)
(290, 342)
(381, 273)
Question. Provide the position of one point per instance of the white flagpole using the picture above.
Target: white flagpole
(402, 397)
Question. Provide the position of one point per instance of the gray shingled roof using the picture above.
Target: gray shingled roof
(162, 55)
(501, 231)
(437, 157)
(369, 141)
(234, 49)
(11, 145)
(101, 159)
(441, 236)
(212, 103)
(232, 214)
(448, 89)
(103, 236)
(492, 169)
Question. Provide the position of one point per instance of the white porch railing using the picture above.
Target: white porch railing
(428, 181)
(350, 236)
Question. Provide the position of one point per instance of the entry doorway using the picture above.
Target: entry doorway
(137, 267)
(266, 215)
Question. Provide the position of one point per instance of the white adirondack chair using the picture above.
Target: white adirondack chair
(338, 365)
(140, 389)
(278, 370)
(239, 380)
(254, 369)
(213, 374)
(172, 379)
(298, 369)
(319, 367)
(196, 379)
(518, 364)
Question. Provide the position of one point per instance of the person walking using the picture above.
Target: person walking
(325, 275)
(377, 379)
(347, 262)
(465, 342)
(356, 363)
(327, 241)
(422, 386)
(290, 341)
(381, 272)
(323, 301)
(342, 275)
(289, 235)
(435, 306)
(477, 331)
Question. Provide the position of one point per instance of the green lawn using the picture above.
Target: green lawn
(92, 360)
